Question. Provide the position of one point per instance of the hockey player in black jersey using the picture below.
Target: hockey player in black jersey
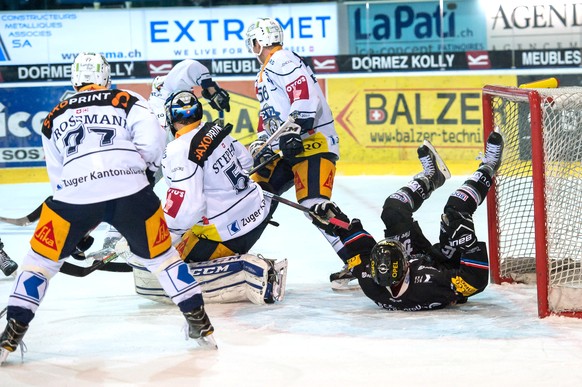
(405, 271)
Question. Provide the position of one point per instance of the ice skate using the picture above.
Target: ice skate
(199, 328)
(433, 165)
(343, 280)
(11, 338)
(491, 160)
(277, 281)
(7, 265)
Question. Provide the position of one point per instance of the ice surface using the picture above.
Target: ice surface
(95, 331)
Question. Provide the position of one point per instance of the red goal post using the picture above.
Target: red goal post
(535, 204)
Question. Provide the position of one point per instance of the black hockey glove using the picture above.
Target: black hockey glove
(321, 213)
(83, 246)
(291, 145)
(219, 100)
(459, 229)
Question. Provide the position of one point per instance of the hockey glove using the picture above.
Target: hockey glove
(459, 229)
(82, 246)
(219, 100)
(259, 156)
(291, 145)
(321, 213)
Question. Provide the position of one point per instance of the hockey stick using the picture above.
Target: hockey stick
(334, 221)
(268, 161)
(79, 271)
(25, 220)
(103, 261)
(287, 126)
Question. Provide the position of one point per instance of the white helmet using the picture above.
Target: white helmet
(90, 68)
(266, 31)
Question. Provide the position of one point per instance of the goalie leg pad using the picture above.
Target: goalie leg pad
(173, 276)
(225, 280)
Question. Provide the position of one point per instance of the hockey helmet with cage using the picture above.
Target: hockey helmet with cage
(388, 262)
(180, 106)
(90, 68)
(266, 32)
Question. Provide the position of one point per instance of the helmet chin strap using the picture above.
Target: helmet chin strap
(258, 54)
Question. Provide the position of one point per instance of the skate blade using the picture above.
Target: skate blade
(440, 162)
(3, 355)
(342, 285)
(279, 288)
(207, 342)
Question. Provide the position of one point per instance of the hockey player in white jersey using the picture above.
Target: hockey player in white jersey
(185, 75)
(100, 146)
(213, 209)
(286, 85)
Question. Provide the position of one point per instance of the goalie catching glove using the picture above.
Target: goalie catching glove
(321, 213)
(219, 99)
(459, 229)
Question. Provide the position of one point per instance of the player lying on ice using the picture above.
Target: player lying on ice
(214, 211)
(405, 271)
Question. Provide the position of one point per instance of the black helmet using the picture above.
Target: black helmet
(180, 106)
(388, 262)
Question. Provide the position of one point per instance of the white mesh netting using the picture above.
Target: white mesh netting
(562, 144)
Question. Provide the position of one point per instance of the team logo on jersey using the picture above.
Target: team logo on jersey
(234, 227)
(45, 235)
(174, 200)
(297, 89)
(163, 233)
(298, 182)
(329, 181)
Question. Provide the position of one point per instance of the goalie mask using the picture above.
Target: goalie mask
(182, 106)
(388, 262)
(90, 68)
(266, 32)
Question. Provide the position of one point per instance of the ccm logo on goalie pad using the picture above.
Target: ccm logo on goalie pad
(297, 89)
(174, 199)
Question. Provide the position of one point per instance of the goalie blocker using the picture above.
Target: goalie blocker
(236, 278)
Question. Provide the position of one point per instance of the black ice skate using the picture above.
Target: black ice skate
(199, 327)
(491, 160)
(11, 338)
(7, 265)
(433, 165)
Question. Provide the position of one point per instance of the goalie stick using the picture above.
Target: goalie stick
(25, 220)
(334, 221)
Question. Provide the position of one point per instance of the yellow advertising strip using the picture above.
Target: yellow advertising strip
(23, 175)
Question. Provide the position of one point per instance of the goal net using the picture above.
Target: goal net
(535, 205)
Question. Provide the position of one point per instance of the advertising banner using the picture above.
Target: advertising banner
(147, 34)
(533, 25)
(418, 27)
(384, 119)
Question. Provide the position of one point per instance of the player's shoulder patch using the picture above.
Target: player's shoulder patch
(206, 140)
